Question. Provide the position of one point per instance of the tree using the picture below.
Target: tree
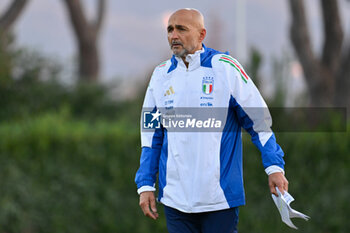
(87, 34)
(10, 16)
(327, 76)
(254, 66)
(7, 20)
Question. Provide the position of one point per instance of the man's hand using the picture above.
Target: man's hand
(279, 180)
(148, 204)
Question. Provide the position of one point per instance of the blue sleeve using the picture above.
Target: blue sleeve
(149, 161)
(271, 152)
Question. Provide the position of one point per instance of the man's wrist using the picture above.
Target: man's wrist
(273, 169)
(146, 188)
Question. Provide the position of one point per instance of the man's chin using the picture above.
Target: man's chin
(179, 53)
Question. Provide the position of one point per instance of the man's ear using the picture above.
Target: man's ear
(202, 34)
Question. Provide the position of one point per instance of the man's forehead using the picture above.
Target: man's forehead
(180, 20)
(184, 20)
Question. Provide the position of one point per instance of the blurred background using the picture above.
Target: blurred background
(72, 80)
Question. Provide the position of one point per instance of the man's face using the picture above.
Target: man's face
(183, 36)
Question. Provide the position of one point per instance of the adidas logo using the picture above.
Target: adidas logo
(170, 91)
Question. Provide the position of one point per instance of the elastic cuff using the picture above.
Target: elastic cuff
(273, 169)
(145, 189)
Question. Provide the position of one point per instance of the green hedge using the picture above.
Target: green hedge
(61, 175)
(318, 171)
(58, 174)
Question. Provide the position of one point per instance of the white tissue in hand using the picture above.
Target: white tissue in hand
(283, 205)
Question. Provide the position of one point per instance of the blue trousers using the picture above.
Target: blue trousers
(221, 221)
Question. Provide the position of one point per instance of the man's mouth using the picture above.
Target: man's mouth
(176, 44)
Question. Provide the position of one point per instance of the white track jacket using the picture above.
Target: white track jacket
(202, 171)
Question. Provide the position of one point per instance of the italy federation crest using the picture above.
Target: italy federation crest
(207, 85)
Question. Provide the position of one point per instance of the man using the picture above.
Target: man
(200, 174)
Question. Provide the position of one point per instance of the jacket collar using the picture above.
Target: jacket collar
(199, 58)
(194, 61)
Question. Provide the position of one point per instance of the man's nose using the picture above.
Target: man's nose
(174, 35)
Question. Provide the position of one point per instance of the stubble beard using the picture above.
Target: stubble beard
(181, 54)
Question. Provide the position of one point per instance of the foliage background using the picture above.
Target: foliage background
(60, 174)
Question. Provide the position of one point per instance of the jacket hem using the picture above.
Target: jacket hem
(204, 208)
